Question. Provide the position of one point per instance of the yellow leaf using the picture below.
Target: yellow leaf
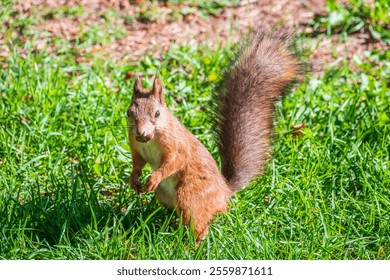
(213, 77)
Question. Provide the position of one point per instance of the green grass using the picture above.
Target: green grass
(357, 16)
(65, 161)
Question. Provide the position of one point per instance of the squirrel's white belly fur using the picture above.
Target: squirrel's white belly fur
(166, 192)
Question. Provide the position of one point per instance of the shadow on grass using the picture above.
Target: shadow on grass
(68, 210)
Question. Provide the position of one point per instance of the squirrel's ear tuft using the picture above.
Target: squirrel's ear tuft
(138, 85)
(157, 90)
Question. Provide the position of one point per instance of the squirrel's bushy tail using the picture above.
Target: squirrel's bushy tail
(257, 77)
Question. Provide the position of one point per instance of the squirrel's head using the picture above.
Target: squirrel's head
(147, 111)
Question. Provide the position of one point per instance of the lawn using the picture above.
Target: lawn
(65, 161)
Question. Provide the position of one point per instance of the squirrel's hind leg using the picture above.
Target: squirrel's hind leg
(199, 207)
(200, 224)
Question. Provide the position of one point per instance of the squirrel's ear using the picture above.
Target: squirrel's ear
(157, 90)
(138, 85)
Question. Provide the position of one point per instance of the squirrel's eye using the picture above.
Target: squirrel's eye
(157, 114)
(128, 113)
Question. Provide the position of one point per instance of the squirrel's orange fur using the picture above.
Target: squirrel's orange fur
(186, 176)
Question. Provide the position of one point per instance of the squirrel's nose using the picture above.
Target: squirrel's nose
(144, 137)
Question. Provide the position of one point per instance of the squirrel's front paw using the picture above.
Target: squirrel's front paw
(135, 183)
(152, 182)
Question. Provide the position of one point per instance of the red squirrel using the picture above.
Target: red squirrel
(185, 176)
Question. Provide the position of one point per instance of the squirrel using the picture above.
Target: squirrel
(186, 177)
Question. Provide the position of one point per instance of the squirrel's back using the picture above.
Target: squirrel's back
(259, 75)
